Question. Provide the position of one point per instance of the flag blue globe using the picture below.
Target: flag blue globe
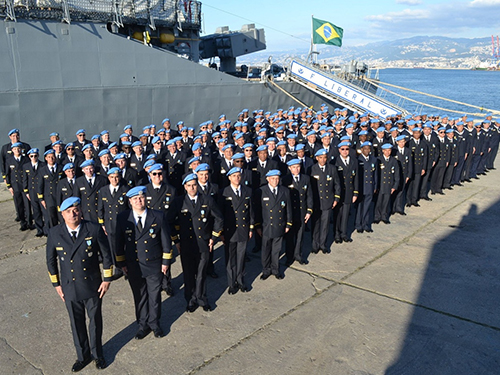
(327, 31)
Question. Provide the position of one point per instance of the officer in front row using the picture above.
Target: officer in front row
(196, 223)
(144, 251)
(273, 216)
(77, 244)
(237, 210)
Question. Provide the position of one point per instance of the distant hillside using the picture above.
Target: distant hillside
(427, 51)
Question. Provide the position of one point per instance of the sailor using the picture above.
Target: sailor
(442, 162)
(112, 200)
(14, 165)
(144, 251)
(347, 169)
(273, 217)
(65, 186)
(80, 142)
(389, 180)
(72, 157)
(368, 186)
(129, 175)
(420, 155)
(260, 166)
(87, 187)
(30, 182)
(14, 136)
(174, 163)
(430, 140)
(160, 196)
(50, 174)
(195, 236)
(453, 146)
(301, 198)
(403, 156)
(237, 209)
(462, 154)
(77, 245)
(104, 163)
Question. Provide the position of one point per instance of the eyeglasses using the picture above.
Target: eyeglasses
(33, 156)
(238, 161)
(155, 173)
(70, 148)
(344, 148)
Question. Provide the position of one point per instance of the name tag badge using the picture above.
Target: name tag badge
(229, 198)
(265, 199)
(184, 211)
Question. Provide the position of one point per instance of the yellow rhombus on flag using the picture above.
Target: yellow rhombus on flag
(325, 32)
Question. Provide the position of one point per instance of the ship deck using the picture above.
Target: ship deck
(419, 296)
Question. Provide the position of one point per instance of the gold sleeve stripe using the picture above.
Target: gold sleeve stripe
(108, 272)
(167, 255)
(40, 196)
(120, 258)
(174, 238)
(101, 221)
(289, 224)
(337, 196)
(177, 227)
(216, 234)
(54, 278)
(310, 209)
(355, 192)
(251, 226)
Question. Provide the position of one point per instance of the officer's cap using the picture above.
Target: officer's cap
(293, 162)
(13, 131)
(180, 123)
(136, 143)
(103, 152)
(273, 172)
(56, 143)
(165, 120)
(200, 168)
(460, 123)
(196, 146)
(321, 152)
(450, 131)
(239, 155)
(126, 143)
(155, 139)
(400, 138)
(160, 131)
(127, 127)
(193, 159)
(247, 145)
(394, 129)
(138, 190)
(379, 130)
(33, 151)
(363, 132)
(385, 146)
(96, 136)
(417, 129)
(190, 177)
(234, 170)
(87, 146)
(80, 131)
(51, 151)
(113, 170)
(70, 144)
(54, 134)
(68, 166)
(344, 143)
(325, 135)
(312, 132)
(87, 163)
(121, 155)
(364, 144)
(442, 129)
(149, 163)
(271, 139)
(111, 145)
(300, 146)
(156, 167)
(69, 202)
(262, 148)
(227, 146)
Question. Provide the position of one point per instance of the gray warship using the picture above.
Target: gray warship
(103, 64)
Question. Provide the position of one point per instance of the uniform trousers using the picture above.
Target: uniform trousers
(37, 216)
(20, 202)
(399, 198)
(147, 298)
(85, 346)
(413, 193)
(424, 188)
(382, 207)
(458, 172)
(194, 267)
(50, 217)
(342, 220)
(320, 224)
(293, 241)
(437, 178)
(235, 261)
(363, 212)
(270, 257)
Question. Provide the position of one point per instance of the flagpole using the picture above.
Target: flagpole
(310, 50)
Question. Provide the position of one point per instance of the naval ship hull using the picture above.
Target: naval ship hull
(63, 77)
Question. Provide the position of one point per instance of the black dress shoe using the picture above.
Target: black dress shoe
(213, 275)
(233, 289)
(359, 230)
(314, 251)
(243, 288)
(338, 240)
(169, 291)
(459, 184)
(376, 221)
(347, 239)
(402, 213)
(303, 261)
(432, 193)
(408, 204)
(39, 234)
(475, 178)
(191, 308)
(32, 226)
(80, 365)
(427, 199)
(207, 308)
(23, 228)
(416, 204)
(440, 193)
(158, 333)
(468, 180)
(100, 363)
(369, 230)
(288, 263)
(326, 251)
(141, 333)
(264, 277)
(279, 276)
(386, 221)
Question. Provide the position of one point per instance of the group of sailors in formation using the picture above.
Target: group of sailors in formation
(268, 176)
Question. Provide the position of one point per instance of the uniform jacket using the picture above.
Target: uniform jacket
(349, 181)
(88, 195)
(300, 195)
(64, 190)
(108, 207)
(143, 252)
(273, 214)
(238, 213)
(326, 186)
(259, 173)
(161, 199)
(389, 175)
(368, 174)
(78, 270)
(15, 171)
(47, 184)
(30, 179)
(405, 163)
(420, 155)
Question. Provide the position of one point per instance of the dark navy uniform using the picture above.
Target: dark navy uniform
(448, 175)
(88, 195)
(14, 178)
(211, 190)
(443, 159)
(65, 189)
(273, 213)
(7, 151)
(420, 156)
(175, 168)
(192, 229)
(349, 184)
(389, 178)
(432, 148)
(326, 190)
(79, 275)
(406, 172)
(238, 222)
(368, 185)
(47, 189)
(30, 183)
(143, 253)
(259, 172)
(302, 204)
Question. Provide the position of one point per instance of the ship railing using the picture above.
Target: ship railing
(181, 13)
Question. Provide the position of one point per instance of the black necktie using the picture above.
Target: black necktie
(71, 184)
(274, 192)
(52, 170)
(322, 169)
(194, 202)
(73, 236)
(139, 224)
(238, 193)
(297, 179)
(114, 192)
(90, 183)
(34, 168)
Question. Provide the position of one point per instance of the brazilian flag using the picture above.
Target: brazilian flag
(325, 32)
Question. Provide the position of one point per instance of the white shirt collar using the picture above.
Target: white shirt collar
(143, 216)
(77, 230)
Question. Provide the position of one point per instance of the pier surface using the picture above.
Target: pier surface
(418, 296)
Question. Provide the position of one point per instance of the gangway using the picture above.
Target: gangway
(340, 91)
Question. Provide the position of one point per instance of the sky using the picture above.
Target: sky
(287, 24)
